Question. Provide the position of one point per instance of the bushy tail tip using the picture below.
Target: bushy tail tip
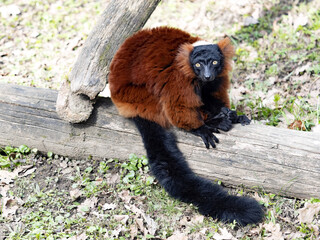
(242, 210)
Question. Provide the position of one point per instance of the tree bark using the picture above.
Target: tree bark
(88, 76)
(280, 161)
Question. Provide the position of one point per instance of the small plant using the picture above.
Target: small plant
(272, 70)
(132, 174)
(11, 157)
(50, 154)
(104, 166)
(261, 112)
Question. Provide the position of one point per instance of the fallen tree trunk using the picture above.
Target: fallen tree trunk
(277, 160)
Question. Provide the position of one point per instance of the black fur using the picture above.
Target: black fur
(219, 116)
(172, 171)
(207, 82)
(205, 55)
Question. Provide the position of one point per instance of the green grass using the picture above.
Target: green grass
(11, 157)
(45, 34)
(281, 51)
(50, 212)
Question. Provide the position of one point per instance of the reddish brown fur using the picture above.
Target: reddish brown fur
(228, 52)
(151, 77)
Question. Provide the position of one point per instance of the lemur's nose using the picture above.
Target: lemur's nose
(207, 74)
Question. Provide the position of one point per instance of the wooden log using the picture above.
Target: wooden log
(280, 161)
(88, 76)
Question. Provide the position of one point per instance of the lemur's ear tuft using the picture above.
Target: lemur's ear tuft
(183, 59)
(226, 47)
(228, 52)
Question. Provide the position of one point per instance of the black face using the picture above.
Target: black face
(206, 62)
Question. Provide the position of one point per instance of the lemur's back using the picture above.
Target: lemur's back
(145, 55)
(144, 68)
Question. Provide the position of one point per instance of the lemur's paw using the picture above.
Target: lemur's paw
(225, 124)
(206, 135)
(244, 120)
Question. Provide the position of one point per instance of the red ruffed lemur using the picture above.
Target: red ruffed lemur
(165, 77)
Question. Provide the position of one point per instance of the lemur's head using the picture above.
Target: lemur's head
(206, 61)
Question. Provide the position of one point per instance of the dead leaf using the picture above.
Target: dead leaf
(125, 196)
(178, 236)
(3, 194)
(9, 10)
(75, 193)
(203, 231)
(109, 206)
(256, 231)
(151, 224)
(297, 124)
(250, 21)
(289, 116)
(133, 231)
(306, 214)
(88, 204)
(22, 169)
(67, 170)
(115, 233)
(316, 129)
(10, 206)
(223, 235)
(63, 164)
(253, 76)
(315, 228)
(296, 235)
(274, 231)
(134, 209)
(121, 218)
(28, 172)
(185, 221)
(98, 181)
(113, 179)
(275, 25)
(7, 177)
(269, 98)
(303, 68)
(3, 191)
(197, 219)
(139, 222)
(301, 20)
(238, 93)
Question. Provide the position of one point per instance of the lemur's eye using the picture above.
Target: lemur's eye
(214, 62)
(197, 65)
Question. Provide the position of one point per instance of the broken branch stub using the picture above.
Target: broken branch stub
(88, 76)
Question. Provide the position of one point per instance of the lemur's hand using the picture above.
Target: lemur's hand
(232, 115)
(244, 120)
(207, 136)
(224, 120)
(225, 124)
(220, 121)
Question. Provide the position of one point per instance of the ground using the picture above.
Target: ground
(275, 80)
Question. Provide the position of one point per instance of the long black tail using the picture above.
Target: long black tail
(172, 171)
